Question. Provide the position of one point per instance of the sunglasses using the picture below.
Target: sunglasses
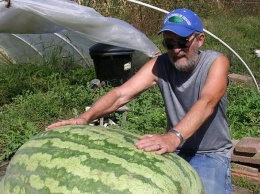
(180, 43)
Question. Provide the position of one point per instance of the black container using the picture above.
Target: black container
(113, 64)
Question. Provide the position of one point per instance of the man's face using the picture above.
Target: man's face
(183, 52)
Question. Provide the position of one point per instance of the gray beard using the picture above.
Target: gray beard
(185, 66)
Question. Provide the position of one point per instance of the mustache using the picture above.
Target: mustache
(181, 54)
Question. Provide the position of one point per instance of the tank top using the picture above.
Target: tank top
(180, 91)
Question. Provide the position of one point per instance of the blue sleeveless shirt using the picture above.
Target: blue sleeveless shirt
(180, 91)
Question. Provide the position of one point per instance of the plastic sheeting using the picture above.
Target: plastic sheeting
(33, 30)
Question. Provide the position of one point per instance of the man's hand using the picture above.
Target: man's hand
(72, 121)
(159, 143)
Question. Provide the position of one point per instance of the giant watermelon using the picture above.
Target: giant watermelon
(87, 159)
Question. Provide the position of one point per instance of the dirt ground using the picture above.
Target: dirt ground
(3, 166)
(236, 190)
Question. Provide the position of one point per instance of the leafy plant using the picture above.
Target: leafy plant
(243, 111)
(33, 78)
(146, 113)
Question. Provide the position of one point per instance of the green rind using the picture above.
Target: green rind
(86, 159)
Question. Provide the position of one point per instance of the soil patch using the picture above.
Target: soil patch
(3, 166)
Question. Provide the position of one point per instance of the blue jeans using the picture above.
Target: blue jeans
(214, 171)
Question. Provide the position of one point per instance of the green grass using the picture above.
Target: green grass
(32, 96)
(243, 111)
(58, 94)
(244, 183)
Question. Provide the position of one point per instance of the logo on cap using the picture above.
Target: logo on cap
(175, 19)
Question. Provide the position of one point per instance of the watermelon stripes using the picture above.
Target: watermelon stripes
(87, 159)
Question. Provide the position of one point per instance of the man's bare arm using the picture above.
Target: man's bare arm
(116, 98)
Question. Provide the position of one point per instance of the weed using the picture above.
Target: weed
(243, 111)
(242, 182)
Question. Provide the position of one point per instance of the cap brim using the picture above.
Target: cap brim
(179, 30)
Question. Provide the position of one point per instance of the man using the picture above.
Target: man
(193, 84)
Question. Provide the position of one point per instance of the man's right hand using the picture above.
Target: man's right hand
(72, 121)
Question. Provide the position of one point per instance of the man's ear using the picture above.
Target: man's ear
(201, 39)
(163, 43)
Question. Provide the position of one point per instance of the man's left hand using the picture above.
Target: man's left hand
(160, 144)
